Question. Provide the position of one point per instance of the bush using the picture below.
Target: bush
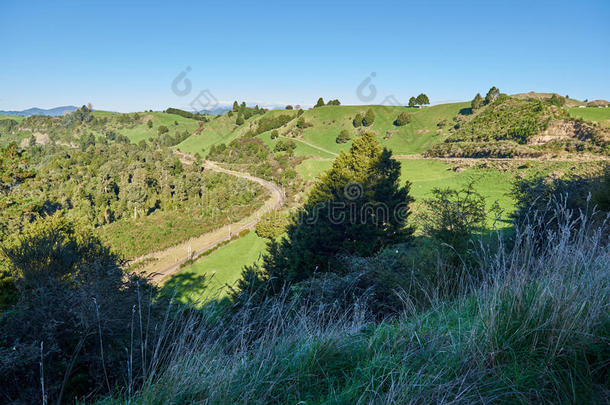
(274, 134)
(74, 308)
(557, 100)
(343, 136)
(283, 146)
(403, 119)
(162, 130)
(271, 225)
(369, 118)
(357, 121)
(452, 216)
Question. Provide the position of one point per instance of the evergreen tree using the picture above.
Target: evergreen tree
(235, 106)
(477, 102)
(357, 208)
(320, 103)
(239, 120)
(491, 95)
(357, 121)
(369, 118)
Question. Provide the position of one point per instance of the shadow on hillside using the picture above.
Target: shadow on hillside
(465, 111)
(186, 287)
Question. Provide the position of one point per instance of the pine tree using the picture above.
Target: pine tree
(477, 102)
(357, 121)
(320, 102)
(235, 106)
(491, 95)
(358, 207)
(239, 120)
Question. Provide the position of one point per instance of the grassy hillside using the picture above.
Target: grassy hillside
(221, 129)
(590, 113)
(138, 130)
(416, 137)
(207, 277)
(325, 123)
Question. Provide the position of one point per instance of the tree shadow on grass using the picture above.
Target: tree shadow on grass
(465, 111)
(186, 287)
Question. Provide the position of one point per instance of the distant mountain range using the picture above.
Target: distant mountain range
(41, 111)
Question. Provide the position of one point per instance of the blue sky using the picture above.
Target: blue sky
(123, 56)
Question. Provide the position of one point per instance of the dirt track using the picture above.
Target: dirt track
(166, 262)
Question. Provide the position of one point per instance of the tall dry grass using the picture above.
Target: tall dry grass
(534, 328)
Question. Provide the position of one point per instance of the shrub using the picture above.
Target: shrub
(73, 309)
(357, 121)
(162, 130)
(285, 145)
(271, 225)
(557, 100)
(343, 136)
(369, 118)
(274, 134)
(403, 119)
(451, 216)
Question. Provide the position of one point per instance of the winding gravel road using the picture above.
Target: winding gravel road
(165, 263)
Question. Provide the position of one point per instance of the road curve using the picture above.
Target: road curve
(166, 262)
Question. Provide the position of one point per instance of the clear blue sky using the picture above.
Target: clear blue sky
(123, 56)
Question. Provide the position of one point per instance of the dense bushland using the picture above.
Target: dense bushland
(256, 158)
(137, 195)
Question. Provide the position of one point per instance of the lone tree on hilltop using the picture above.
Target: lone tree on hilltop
(320, 103)
(422, 99)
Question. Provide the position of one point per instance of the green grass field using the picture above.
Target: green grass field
(208, 276)
(141, 131)
(590, 113)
